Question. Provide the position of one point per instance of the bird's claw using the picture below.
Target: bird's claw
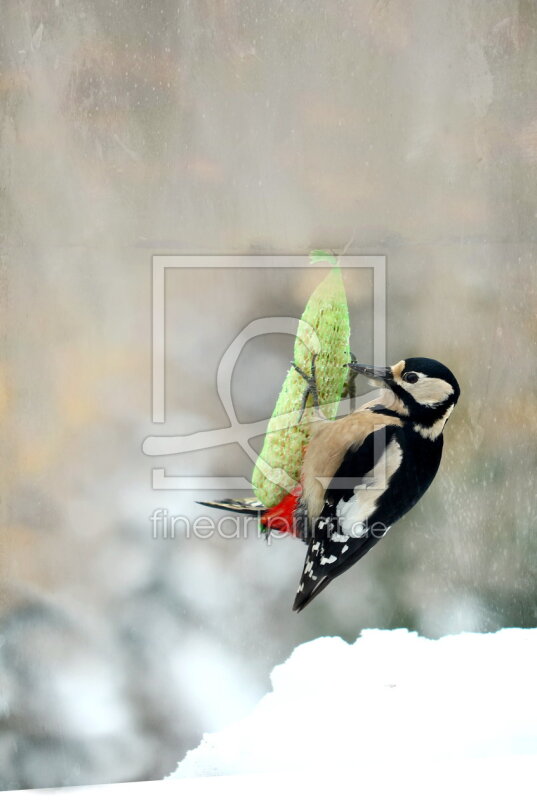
(349, 388)
(311, 385)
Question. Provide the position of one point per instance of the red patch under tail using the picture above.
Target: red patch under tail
(281, 517)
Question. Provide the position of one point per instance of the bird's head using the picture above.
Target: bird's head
(426, 391)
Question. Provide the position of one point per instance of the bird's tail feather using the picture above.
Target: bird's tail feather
(250, 506)
(280, 517)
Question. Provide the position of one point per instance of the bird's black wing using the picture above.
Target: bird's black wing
(330, 550)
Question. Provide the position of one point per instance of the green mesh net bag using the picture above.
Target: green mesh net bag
(324, 330)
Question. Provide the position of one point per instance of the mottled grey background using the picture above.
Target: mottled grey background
(129, 129)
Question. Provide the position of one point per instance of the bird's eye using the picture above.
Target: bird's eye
(411, 377)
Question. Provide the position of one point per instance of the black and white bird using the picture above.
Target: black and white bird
(362, 472)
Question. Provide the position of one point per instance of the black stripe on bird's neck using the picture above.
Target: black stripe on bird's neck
(388, 412)
(421, 414)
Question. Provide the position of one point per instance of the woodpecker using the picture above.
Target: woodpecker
(361, 473)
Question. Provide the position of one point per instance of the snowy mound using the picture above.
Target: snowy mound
(392, 694)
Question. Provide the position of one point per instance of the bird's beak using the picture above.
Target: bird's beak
(380, 373)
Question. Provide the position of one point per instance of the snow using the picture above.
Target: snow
(392, 695)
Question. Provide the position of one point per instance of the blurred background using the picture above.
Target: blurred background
(196, 127)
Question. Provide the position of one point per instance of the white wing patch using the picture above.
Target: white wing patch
(339, 537)
(328, 560)
(354, 513)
